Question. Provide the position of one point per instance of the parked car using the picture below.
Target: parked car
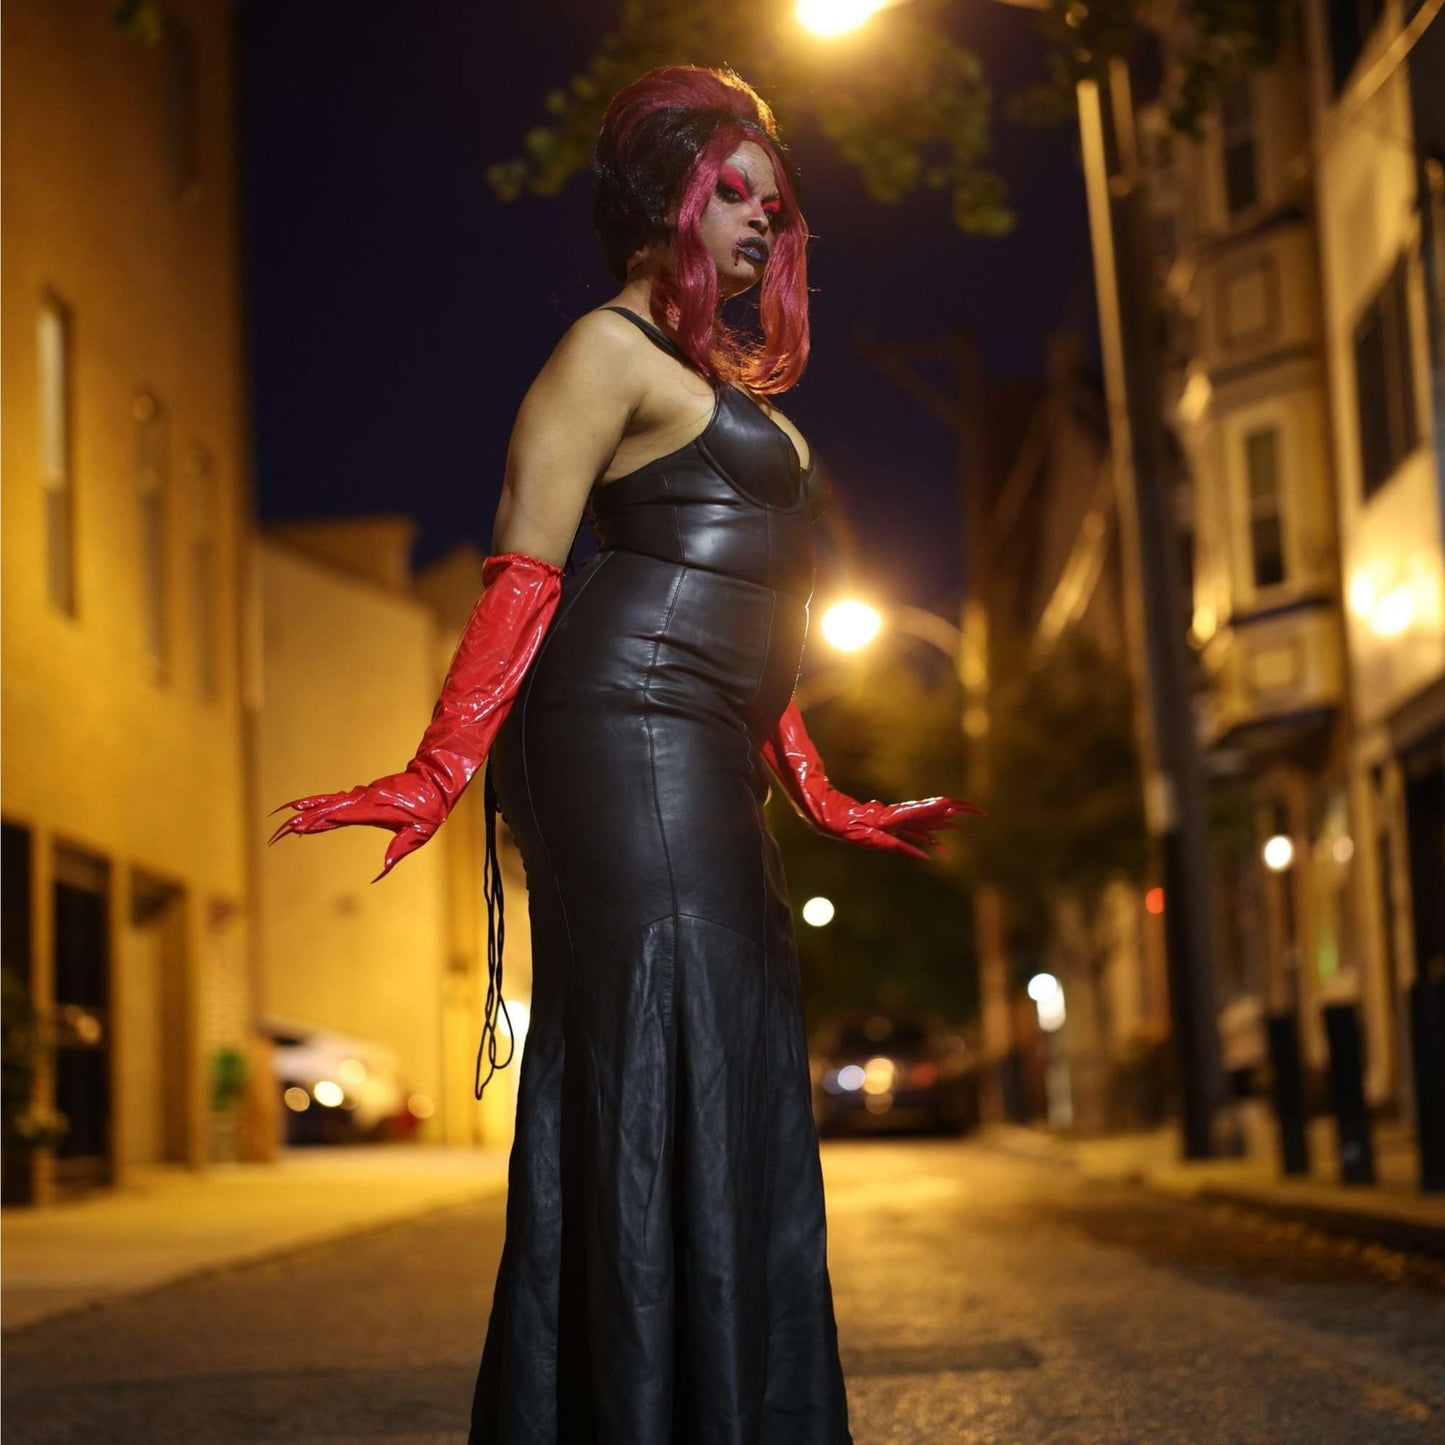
(883, 1071)
(336, 1089)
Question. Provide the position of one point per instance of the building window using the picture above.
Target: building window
(1385, 382)
(182, 106)
(1266, 529)
(56, 472)
(1241, 176)
(153, 487)
(201, 471)
(1351, 22)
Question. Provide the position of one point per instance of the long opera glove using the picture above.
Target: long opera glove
(905, 827)
(519, 596)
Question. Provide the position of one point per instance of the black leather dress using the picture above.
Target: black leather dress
(664, 1279)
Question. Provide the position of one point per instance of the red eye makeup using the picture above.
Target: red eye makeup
(731, 177)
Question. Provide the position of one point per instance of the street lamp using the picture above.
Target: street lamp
(850, 625)
(828, 18)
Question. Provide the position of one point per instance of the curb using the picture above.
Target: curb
(100, 1297)
(1407, 1236)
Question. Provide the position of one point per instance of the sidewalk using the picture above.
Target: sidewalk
(1391, 1212)
(168, 1222)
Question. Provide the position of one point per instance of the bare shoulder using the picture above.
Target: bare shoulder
(594, 364)
(601, 339)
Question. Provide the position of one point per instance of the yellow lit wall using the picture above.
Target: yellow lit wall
(105, 747)
(96, 744)
(349, 681)
(1393, 571)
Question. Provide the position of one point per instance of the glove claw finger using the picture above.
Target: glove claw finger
(302, 804)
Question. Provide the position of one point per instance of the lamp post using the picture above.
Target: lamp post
(1173, 772)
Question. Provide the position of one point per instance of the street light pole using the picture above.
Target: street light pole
(1173, 774)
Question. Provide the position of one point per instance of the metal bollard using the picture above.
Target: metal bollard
(1427, 1031)
(1287, 1090)
(1347, 1087)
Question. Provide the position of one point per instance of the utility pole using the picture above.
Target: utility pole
(1174, 786)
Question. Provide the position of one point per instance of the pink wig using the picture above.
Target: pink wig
(663, 143)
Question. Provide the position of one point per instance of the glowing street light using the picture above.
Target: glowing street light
(818, 912)
(1278, 853)
(850, 625)
(836, 17)
(1048, 996)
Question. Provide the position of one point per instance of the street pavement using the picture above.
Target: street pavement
(981, 1297)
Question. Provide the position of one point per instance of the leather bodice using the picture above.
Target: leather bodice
(735, 500)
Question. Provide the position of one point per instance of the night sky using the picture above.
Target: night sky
(398, 312)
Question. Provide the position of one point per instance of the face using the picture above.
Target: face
(740, 224)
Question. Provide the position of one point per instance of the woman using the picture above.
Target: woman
(664, 1276)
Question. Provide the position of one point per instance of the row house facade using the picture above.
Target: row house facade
(171, 674)
(127, 896)
(1297, 385)
(1377, 110)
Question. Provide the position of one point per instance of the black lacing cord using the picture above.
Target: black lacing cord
(496, 936)
(497, 928)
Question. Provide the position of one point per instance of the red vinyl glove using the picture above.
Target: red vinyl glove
(905, 827)
(519, 596)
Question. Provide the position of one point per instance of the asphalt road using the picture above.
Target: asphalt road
(980, 1299)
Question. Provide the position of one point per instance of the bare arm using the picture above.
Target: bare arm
(567, 428)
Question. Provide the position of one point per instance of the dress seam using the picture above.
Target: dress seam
(767, 646)
(656, 806)
(726, 927)
(767, 1077)
(526, 765)
(532, 809)
(676, 520)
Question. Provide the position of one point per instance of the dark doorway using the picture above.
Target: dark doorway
(18, 1026)
(1424, 770)
(82, 1017)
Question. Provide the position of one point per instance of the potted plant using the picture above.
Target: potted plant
(228, 1082)
(25, 1126)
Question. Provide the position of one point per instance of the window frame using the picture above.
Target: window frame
(55, 390)
(1380, 453)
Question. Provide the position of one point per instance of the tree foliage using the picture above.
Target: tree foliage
(1065, 816)
(1065, 806)
(1210, 44)
(901, 101)
(909, 107)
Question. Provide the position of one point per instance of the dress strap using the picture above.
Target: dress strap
(659, 336)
